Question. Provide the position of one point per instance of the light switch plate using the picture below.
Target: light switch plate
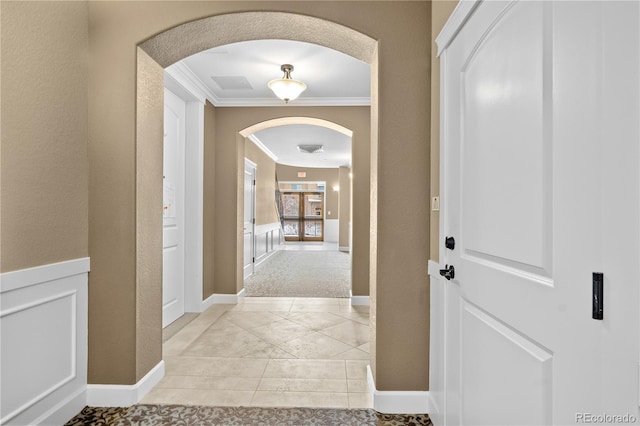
(435, 204)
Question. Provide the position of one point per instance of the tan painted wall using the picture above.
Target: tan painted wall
(209, 204)
(230, 122)
(441, 10)
(330, 176)
(149, 167)
(265, 184)
(400, 130)
(344, 205)
(44, 168)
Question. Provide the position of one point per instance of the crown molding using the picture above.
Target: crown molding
(253, 138)
(182, 74)
(275, 102)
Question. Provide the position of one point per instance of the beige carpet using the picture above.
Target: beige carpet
(302, 274)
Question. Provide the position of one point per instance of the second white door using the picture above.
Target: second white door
(173, 209)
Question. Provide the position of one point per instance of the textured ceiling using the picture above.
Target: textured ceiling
(282, 142)
(237, 75)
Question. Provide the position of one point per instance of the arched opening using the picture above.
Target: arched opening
(297, 237)
(182, 41)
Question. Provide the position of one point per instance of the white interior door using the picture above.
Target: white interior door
(173, 209)
(537, 127)
(249, 217)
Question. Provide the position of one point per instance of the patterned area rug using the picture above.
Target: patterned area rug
(302, 274)
(239, 416)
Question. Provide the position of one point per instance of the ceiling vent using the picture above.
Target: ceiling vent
(311, 149)
(232, 82)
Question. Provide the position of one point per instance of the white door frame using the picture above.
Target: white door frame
(180, 85)
(250, 168)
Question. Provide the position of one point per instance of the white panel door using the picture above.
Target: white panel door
(249, 217)
(173, 209)
(527, 155)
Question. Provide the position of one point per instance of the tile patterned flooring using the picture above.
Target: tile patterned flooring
(270, 352)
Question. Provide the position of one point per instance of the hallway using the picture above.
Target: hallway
(270, 352)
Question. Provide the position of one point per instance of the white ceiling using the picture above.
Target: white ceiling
(283, 141)
(332, 78)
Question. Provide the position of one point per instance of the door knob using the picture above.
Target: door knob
(450, 243)
(449, 272)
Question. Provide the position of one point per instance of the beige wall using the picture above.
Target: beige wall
(400, 116)
(265, 184)
(44, 169)
(149, 168)
(403, 30)
(328, 175)
(441, 10)
(208, 208)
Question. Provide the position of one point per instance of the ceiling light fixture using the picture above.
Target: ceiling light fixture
(287, 88)
(311, 149)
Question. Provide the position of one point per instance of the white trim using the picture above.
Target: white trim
(399, 402)
(359, 300)
(194, 205)
(257, 142)
(344, 249)
(219, 299)
(176, 88)
(262, 102)
(183, 75)
(242, 293)
(433, 269)
(181, 72)
(65, 410)
(268, 227)
(263, 259)
(40, 274)
(250, 163)
(461, 13)
(124, 395)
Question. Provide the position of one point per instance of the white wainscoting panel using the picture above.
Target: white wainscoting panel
(43, 322)
(331, 230)
(267, 241)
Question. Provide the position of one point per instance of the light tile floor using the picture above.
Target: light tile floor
(270, 352)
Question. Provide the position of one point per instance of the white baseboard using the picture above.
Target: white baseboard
(242, 293)
(124, 395)
(360, 300)
(264, 258)
(64, 411)
(219, 299)
(399, 402)
(344, 249)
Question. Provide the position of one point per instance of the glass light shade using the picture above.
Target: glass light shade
(287, 89)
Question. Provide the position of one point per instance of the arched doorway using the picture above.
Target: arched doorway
(179, 42)
(125, 188)
(283, 134)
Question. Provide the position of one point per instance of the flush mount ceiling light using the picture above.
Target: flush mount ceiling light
(287, 88)
(311, 149)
